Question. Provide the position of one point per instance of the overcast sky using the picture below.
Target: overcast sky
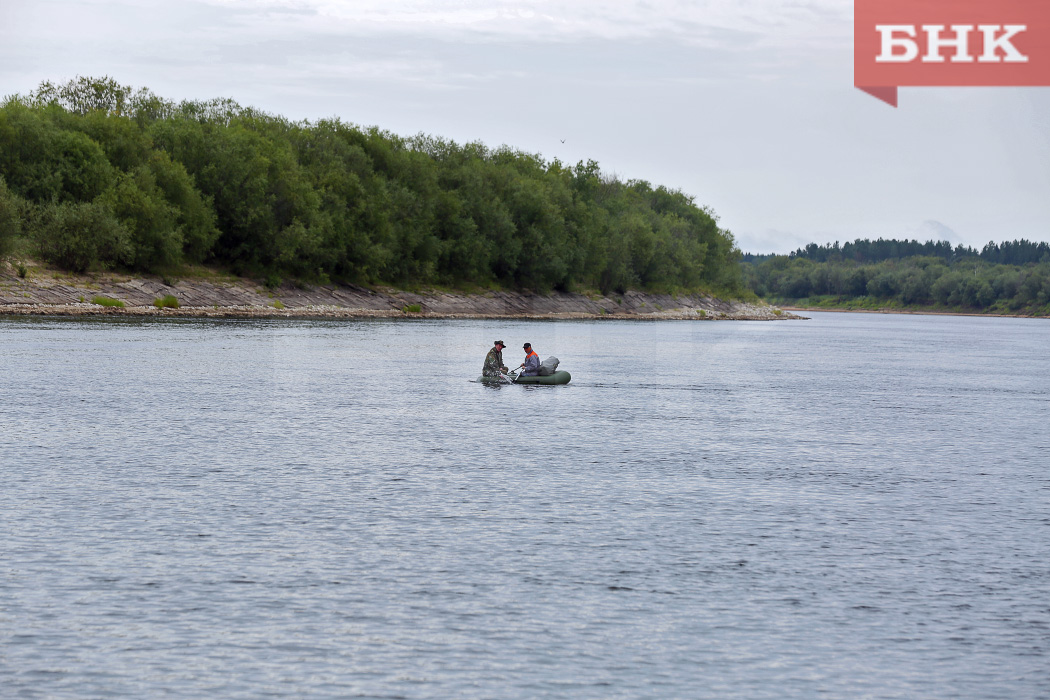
(748, 105)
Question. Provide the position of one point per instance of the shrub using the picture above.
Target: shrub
(156, 239)
(193, 211)
(412, 309)
(44, 162)
(883, 286)
(10, 218)
(108, 301)
(166, 302)
(78, 236)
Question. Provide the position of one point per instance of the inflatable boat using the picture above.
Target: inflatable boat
(559, 377)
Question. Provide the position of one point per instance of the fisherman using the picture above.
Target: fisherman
(494, 360)
(531, 365)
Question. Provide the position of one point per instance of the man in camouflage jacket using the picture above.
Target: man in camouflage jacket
(494, 361)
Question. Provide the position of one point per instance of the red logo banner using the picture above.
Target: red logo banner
(949, 43)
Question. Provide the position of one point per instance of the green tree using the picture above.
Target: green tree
(41, 161)
(79, 236)
(154, 236)
(194, 217)
(212, 180)
(10, 218)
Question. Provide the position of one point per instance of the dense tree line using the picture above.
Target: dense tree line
(866, 251)
(94, 174)
(972, 282)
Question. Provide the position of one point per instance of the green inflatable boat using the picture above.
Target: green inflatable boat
(559, 377)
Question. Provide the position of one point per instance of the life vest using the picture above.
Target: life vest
(531, 353)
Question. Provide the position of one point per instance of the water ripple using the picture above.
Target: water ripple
(853, 506)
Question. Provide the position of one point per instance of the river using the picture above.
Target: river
(854, 506)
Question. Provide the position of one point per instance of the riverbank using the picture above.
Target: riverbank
(45, 291)
(911, 312)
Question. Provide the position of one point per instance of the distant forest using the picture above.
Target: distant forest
(1009, 277)
(96, 175)
(863, 250)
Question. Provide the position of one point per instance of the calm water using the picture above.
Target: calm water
(856, 506)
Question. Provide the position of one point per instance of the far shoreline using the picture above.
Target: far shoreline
(909, 312)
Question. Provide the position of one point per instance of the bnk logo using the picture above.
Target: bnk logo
(997, 43)
(949, 43)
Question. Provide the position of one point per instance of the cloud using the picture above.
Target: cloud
(709, 22)
(931, 230)
(433, 44)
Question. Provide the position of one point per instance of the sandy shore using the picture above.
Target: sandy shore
(51, 292)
